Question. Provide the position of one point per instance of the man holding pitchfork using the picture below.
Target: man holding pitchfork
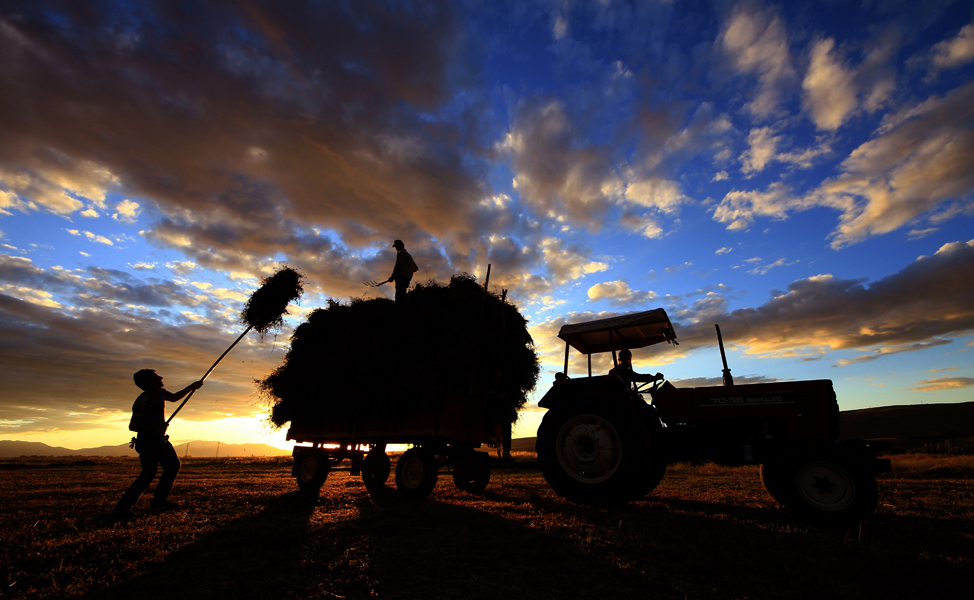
(152, 443)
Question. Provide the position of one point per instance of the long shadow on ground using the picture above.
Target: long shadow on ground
(438, 550)
(389, 547)
(253, 557)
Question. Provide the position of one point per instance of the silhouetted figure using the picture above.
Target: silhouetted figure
(624, 371)
(402, 273)
(152, 443)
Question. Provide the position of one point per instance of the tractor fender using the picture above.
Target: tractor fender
(602, 391)
(577, 395)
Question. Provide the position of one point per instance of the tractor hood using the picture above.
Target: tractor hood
(636, 330)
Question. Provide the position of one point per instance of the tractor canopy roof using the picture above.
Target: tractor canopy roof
(636, 330)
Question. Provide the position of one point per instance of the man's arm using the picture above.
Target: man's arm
(646, 378)
(398, 268)
(182, 393)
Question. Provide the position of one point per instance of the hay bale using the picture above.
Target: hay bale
(266, 307)
(402, 358)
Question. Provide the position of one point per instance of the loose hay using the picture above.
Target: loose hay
(266, 307)
(445, 339)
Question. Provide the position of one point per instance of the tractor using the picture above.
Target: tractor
(608, 441)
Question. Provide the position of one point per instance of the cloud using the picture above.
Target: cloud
(942, 383)
(926, 304)
(10, 201)
(655, 192)
(724, 250)
(553, 173)
(919, 234)
(830, 87)
(126, 211)
(762, 147)
(618, 293)
(916, 166)
(919, 161)
(566, 263)
(181, 267)
(763, 144)
(248, 135)
(757, 43)
(881, 352)
(52, 181)
(97, 352)
(678, 268)
(647, 226)
(738, 209)
(954, 52)
(92, 237)
(102, 325)
(763, 269)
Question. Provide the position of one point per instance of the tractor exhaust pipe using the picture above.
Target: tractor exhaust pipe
(727, 377)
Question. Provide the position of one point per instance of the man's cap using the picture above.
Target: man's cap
(398, 243)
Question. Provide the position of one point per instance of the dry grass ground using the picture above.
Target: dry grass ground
(244, 532)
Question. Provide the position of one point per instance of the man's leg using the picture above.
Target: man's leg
(170, 468)
(401, 287)
(149, 459)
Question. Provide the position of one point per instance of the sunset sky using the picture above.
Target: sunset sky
(801, 173)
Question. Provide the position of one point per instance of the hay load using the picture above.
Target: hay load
(375, 357)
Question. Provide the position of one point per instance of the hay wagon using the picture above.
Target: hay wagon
(446, 432)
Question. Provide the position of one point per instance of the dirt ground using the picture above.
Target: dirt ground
(244, 531)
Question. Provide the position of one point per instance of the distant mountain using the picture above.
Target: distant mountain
(921, 422)
(195, 448)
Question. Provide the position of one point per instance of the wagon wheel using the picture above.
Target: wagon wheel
(376, 468)
(472, 473)
(416, 473)
(311, 471)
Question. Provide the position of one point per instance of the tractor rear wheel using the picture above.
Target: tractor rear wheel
(312, 471)
(416, 473)
(825, 484)
(594, 456)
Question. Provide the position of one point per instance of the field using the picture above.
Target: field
(245, 532)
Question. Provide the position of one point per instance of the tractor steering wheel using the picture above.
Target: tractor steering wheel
(652, 385)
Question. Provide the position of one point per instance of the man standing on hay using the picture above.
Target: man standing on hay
(152, 443)
(402, 273)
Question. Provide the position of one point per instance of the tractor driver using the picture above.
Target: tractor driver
(624, 371)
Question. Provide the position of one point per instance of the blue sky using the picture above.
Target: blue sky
(800, 173)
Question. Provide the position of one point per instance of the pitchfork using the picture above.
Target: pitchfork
(372, 283)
